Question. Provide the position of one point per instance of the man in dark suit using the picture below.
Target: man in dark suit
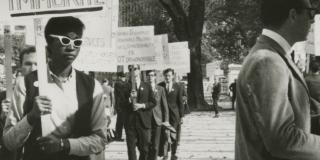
(216, 89)
(160, 114)
(175, 104)
(273, 101)
(233, 89)
(122, 104)
(138, 128)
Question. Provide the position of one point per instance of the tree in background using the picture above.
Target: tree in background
(188, 19)
(232, 29)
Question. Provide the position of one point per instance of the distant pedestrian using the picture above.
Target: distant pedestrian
(216, 89)
(233, 90)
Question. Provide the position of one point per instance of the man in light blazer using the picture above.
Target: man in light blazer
(273, 104)
(160, 114)
(176, 108)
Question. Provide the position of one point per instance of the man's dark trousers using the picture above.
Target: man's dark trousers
(120, 124)
(138, 133)
(155, 140)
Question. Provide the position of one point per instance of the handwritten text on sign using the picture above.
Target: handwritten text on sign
(18, 8)
(95, 53)
(179, 54)
(162, 53)
(134, 45)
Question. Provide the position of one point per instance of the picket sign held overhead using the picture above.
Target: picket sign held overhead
(162, 53)
(96, 53)
(134, 45)
(179, 55)
(41, 8)
(37, 9)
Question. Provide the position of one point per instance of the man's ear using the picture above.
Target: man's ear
(292, 15)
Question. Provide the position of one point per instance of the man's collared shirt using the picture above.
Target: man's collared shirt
(64, 100)
(279, 39)
(169, 86)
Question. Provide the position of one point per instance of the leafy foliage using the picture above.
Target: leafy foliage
(231, 29)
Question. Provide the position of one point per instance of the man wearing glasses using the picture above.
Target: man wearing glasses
(138, 121)
(160, 114)
(273, 102)
(75, 103)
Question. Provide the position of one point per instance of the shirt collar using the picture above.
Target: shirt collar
(278, 38)
(55, 77)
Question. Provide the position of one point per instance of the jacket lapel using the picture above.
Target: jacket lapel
(292, 66)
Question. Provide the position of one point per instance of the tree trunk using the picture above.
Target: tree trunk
(195, 84)
(189, 28)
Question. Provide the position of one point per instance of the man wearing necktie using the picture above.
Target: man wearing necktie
(160, 114)
(138, 125)
(175, 104)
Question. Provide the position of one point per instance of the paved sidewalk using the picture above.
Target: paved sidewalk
(203, 138)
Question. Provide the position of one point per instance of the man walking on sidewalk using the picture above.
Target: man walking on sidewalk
(160, 114)
(176, 108)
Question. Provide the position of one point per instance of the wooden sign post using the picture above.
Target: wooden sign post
(8, 60)
(133, 82)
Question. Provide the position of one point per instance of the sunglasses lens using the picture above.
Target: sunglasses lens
(77, 43)
(65, 41)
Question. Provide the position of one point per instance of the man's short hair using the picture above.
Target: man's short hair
(315, 65)
(120, 74)
(63, 25)
(26, 50)
(149, 71)
(275, 12)
(168, 70)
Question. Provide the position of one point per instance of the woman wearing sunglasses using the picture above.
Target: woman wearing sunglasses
(74, 102)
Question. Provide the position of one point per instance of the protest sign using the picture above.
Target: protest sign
(161, 50)
(134, 45)
(96, 53)
(179, 55)
(36, 8)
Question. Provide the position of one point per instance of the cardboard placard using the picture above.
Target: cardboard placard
(134, 45)
(162, 55)
(179, 55)
(96, 53)
(36, 8)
